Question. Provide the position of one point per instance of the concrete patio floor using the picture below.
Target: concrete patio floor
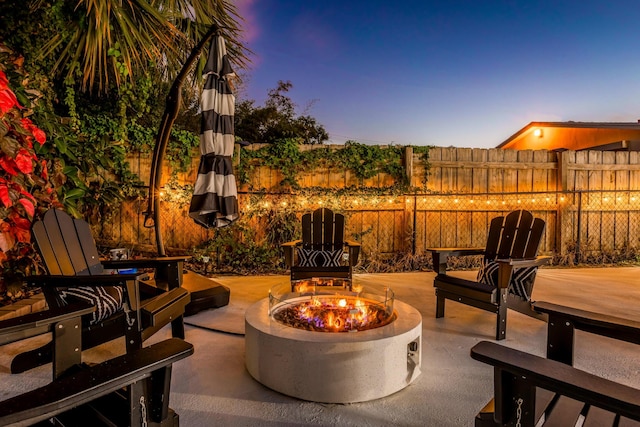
(213, 388)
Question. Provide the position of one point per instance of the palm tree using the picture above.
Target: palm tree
(108, 41)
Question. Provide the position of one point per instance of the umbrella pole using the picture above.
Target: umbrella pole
(172, 107)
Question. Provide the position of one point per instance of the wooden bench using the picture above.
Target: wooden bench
(533, 391)
(129, 390)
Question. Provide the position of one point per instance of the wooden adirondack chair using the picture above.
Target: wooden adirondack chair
(129, 390)
(125, 304)
(322, 249)
(506, 277)
(533, 391)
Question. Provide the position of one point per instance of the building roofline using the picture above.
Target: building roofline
(570, 124)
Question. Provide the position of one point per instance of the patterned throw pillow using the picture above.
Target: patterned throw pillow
(521, 280)
(313, 258)
(108, 300)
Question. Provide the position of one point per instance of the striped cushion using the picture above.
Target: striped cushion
(108, 300)
(521, 280)
(314, 258)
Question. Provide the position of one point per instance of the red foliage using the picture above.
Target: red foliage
(22, 176)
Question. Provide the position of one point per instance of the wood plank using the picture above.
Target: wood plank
(524, 177)
(580, 175)
(435, 172)
(464, 229)
(608, 176)
(464, 182)
(434, 239)
(495, 173)
(370, 237)
(543, 179)
(509, 175)
(448, 175)
(565, 413)
(479, 228)
(421, 232)
(448, 228)
(479, 175)
(385, 223)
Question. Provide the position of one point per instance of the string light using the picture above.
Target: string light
(446, 202)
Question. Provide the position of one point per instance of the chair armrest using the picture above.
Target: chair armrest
(440, 256)
(143, 262)
(522, 370)
(353, 248)
(289, 252)
(73, 281)
(457, 251)
(164, 307)
(526, 262)
(563, 321)
(89, 384)
(34, 324)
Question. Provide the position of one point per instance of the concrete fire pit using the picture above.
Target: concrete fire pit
(327, 367)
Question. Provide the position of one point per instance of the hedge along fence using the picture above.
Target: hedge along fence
(590, 201)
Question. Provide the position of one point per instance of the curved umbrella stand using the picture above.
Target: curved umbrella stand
(172, 107)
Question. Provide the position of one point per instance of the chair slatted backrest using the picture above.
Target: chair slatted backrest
(66, 245)
(516, 235)
(322, 230)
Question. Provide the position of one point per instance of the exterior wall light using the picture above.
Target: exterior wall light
(538, 133)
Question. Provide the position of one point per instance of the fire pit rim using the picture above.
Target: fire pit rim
(258, 316)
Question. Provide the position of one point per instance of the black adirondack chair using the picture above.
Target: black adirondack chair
(506, 277)
(322, 249)
(129, 390)
(126, 304)
(533, 391)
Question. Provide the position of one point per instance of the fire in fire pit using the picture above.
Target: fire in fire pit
(331, 305)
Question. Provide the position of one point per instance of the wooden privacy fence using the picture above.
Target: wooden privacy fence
(590, 201)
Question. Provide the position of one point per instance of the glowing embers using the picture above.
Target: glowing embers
(331, 305)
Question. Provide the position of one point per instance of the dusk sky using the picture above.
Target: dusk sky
(464, 73)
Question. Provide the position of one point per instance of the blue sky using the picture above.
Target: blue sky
(464, 73)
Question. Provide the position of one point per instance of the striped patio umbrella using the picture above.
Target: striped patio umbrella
(215, 196)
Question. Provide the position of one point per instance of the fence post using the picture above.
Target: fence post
(408, 163)
(415, 222)
(579, 227)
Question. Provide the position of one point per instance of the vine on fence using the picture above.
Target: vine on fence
(240, 250)
(364, 161)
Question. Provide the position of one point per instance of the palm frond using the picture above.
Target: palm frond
(113, 40)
